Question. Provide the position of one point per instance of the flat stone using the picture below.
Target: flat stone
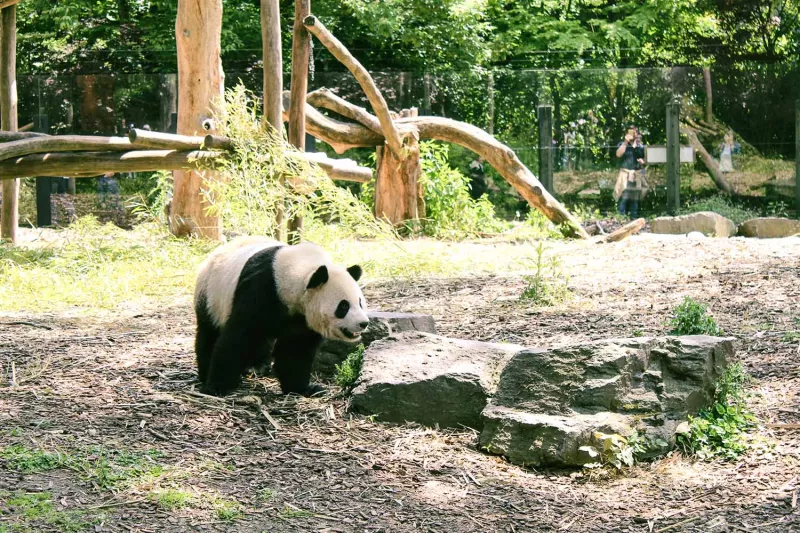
(429, 379)
(706, 222)
(770, 228)
(381, 325)
(549, 403)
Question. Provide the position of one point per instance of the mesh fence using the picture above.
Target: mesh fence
(750, 137)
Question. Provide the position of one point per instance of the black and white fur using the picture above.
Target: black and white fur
(257, 299)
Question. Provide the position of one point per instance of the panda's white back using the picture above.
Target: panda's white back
(219, 274)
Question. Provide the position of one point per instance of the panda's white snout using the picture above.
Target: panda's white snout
(354, 331)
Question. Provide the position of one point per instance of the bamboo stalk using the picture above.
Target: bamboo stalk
(374, 96)
(154, 140)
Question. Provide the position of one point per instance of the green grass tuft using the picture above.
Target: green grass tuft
(349, 371)
(543, 287)
(722, 430)
(691, 318)
(171, 499)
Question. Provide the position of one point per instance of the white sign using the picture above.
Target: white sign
(655, 155)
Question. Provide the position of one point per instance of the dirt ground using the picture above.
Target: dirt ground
(126, 382)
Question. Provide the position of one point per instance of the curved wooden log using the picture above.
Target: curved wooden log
(8, 3)
(327, 99)
(501, 157)
(85, 164)
(8, 136)
(63, 143)
(709, 162)
(341, 136)
(364, 79)
(154, 140)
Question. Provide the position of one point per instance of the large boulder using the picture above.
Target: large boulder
(381, 325)
(770, 228)
(549, 403)
(429, 379)
(706, 222)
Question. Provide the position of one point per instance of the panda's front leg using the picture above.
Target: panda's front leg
(233, 353)
(294, 354)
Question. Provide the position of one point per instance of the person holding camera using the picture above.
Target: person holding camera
(631, 185)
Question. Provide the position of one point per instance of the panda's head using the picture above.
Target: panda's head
(334, 305)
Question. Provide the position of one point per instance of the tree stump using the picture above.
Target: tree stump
(399, 195)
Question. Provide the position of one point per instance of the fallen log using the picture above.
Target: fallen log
(625, 231)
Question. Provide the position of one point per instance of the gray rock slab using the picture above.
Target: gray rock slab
(381, 325)
(706, 222)
(549, 403)
(770, 228)
(429, 379)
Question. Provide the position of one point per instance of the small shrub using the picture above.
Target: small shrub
(721, 205)
(721, 430)
(545, 288)
(348, 372)
(691, 318)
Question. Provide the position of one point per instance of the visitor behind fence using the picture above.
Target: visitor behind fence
(631, 185)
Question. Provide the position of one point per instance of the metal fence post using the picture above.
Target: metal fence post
(673, 158)
(44, 213)
(545, 114)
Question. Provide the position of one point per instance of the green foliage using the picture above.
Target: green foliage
(171, 499)
(18, 457)
(722, 430)
(545, 288)
(722, 205)
(777, 208)
(153, 206)
(349, 371)
(106, 468)
(451, 212)
(265, 175)
(34, 511)
(99, 267)
(267, 494)
(228, 510)
(691, 317)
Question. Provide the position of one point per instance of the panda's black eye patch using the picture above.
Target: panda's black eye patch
(342, 309)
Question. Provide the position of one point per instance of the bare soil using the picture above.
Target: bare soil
(127, 382)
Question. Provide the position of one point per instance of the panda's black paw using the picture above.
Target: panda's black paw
(314, 390)
(216, 389)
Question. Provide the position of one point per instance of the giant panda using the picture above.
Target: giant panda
(258, 300)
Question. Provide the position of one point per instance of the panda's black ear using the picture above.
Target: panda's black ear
(319, 278)
(355, 271)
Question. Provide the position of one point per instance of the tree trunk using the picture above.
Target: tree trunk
(398, 196)
(273, 64)
(8, 115)
(301, 54)
(168, 91)
(709, 98)
(711, 165)
(200, 82)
